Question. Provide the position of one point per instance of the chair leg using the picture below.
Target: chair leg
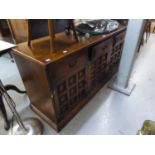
(51, 34)
(3, 110)
(153, 29)
(73, 28)
(29, 32)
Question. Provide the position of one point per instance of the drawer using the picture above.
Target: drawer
(101, 49)
(119, 38)
(70, 65)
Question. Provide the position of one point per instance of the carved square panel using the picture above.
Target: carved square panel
(64, 109)
(62, 87)
(73, 100)
(73, 91)
(81, 74)
(81, 84)
(63, 99)
(81, 93)
(72, 80)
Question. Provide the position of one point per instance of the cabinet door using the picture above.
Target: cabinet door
(99, 58)
(70, 82)
(116, 52)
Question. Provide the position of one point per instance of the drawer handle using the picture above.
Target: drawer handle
(73, 64)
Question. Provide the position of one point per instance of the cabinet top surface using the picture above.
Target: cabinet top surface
(64, 46)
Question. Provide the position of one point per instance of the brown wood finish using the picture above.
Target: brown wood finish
(51, 31)
(18, 28)
(60, 83)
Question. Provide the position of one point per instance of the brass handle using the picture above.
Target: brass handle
(52, 95)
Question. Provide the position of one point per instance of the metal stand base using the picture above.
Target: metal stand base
(2, 106)
(127, 91)
(33, 127)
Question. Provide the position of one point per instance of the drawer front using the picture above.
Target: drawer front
(69, 66)
(117, 51)
(119, 38)
(101, 49)
(98, 68)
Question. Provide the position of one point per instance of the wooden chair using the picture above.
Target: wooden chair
(18, 29)
(146, 33)
(148, 29)
(48, 27)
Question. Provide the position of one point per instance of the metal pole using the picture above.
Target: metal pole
(29, 126)
(12, 106)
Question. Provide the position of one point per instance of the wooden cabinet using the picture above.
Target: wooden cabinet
(59, 84)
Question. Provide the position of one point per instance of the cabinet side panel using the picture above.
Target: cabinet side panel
(34, 77)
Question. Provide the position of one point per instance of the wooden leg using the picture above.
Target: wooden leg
(153, 29)
(29, 32)
(51, 33)
(73, 28)
(3, 110)
(12, 87)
